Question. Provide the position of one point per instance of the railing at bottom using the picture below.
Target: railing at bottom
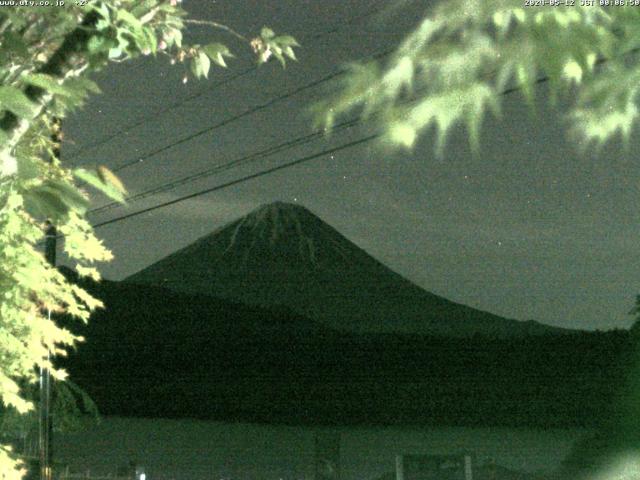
(66, 475)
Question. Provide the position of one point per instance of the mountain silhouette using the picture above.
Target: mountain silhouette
(282, 255)
(154, 352)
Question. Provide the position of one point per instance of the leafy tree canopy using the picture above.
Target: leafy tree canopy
(46, 57)
(455, 66)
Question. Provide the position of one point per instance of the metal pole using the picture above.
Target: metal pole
(44, 429)
(45, 425)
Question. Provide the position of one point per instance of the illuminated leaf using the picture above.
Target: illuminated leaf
(45, 204)
(288, 51)
(286, 41)
(14, 100)
(89, 272)
(67, 193)
(129, 19)
(103, 180)
(216, 52)
(266, 33)
(47, 83)
(200, 65)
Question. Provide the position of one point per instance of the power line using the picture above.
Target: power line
(283, 97)
(240, 180)
(293, 163)
(273, 169)
(248, 112)
(152, 116)
(283, 146)
(224, 122)
(228, 165)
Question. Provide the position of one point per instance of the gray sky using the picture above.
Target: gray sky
(529, 229)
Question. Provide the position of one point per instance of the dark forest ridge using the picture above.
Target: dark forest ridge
(283, 255)
(154, 352)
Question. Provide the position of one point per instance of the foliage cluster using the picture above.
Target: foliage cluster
(457, 64)
(46, 57)
(281, 367)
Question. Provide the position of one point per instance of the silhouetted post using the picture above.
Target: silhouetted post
(44, 429)
(45, 425)
(327, 455)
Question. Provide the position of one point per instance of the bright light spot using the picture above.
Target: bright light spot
(8, 165)
(403, 134)
(500, 19)
(143, 476)
(623, 468)
(572, 71)
(519, 14)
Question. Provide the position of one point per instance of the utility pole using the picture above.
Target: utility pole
(44, 429)
(45, 425)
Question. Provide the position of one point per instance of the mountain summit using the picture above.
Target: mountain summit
(282, 255)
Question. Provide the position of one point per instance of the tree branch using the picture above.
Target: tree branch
(60, 65)
(218, 26)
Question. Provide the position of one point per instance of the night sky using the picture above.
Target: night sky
(529, 229)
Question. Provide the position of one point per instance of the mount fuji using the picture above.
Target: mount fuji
(283, 255)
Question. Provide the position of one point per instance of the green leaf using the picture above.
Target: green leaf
(14, 44)
(266, 33)
(200, 65)
(288, 51)
(44, 204)
(79, 88)
(151, 42)
(205, 64)
(28, 168)
(17, 102)
(4, 138)
(196, 67)
(100, 8)
(110, 178)
(125, 38)
(177, 37)
(55, 198)
(82, 83)
(274, 48)
(129, 19)
(48, 83)
(217, 52)
(67, 193)
(286, 41)
(102, 183)
(115, 52)
(99, 45)
(278, 54)
(143, 7)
